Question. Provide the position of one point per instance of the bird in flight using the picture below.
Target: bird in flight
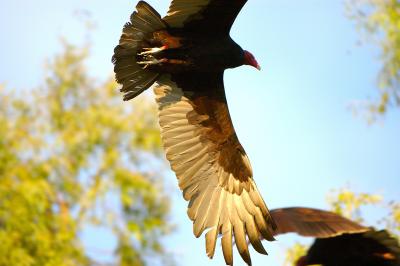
(185, 54)
(339, 241)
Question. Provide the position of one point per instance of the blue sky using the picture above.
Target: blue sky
(292, 117)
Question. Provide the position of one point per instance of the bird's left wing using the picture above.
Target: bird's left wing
(313, 222)
(212, 167)
(214, 16)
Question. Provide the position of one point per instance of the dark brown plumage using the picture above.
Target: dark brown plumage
(186, 54)
(373, 248)
(339, 241)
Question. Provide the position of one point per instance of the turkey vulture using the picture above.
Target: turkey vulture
(339, 241)
(185, 54)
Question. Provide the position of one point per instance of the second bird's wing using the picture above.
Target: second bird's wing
(313, 222)
(212, 167)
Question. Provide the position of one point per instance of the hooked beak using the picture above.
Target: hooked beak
(258, 67)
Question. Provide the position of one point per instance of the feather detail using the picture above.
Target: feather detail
(133, 77)
(313, 222)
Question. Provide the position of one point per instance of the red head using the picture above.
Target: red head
(250, 60)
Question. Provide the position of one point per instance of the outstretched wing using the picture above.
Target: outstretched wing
(214, 16)
(212, 167)
(313, 222)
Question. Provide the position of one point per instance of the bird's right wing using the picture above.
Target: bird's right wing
(211, 166)
(313, 222)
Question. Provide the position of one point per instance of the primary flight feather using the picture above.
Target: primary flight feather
(185, 55)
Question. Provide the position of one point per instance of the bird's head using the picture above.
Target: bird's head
(250, 60)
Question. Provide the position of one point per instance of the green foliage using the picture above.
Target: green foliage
(379, 21)
(392, 221)
(348, 203)
(294, 253)
(71, 154)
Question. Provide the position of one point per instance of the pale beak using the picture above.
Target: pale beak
(258, 67)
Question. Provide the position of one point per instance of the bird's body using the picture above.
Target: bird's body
(193, 52)
(360, 249)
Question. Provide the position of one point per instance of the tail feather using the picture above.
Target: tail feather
(150, 14)
(133, 77)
